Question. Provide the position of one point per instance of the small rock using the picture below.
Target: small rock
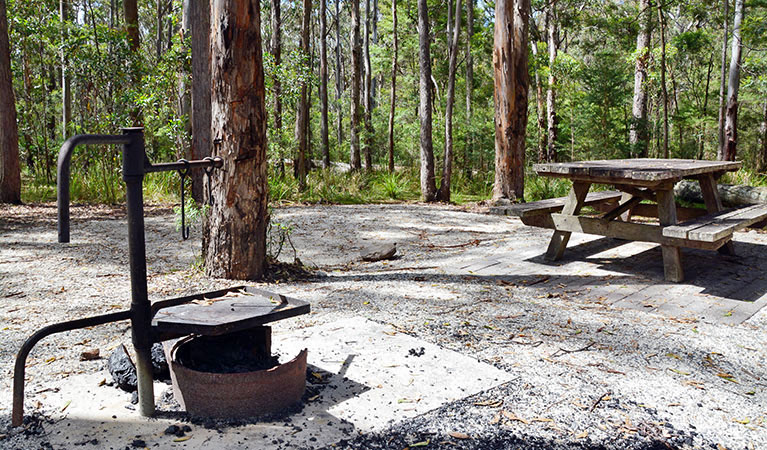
(138, 443)
(90, 355)
(160, 369)
(173, 429)
(378, 251)
(122, 369)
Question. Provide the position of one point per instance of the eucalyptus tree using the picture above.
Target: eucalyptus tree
(10, 174)
(302, 113)
(393, 94)
(638, 137)
(356, 50)
(324, 84)
(426, 103)
(447, 166)
(733, 85)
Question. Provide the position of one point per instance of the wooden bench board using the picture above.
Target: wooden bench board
(714, 227)
(552, 204)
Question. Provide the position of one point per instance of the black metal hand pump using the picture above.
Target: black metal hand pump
(135, 166)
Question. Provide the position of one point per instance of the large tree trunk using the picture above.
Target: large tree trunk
(638, 135)
(447, 166)
(324, 84)
(664, 90)
(722, 80)
(10, 171)
(392, 104)
(275, 47)
(201, 85)
(66, 84)
(302, 113)
(510, 95)
(469, 147)
(339, 78)
(354, 152)
(368, 92)
(234, 238)
(733, 84)
(428, 184)
(761, 160)
(552, 19)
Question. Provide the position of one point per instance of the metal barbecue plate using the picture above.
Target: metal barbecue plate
(228, 311)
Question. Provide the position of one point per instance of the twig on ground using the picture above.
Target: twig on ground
(563, 351)
(599, 400)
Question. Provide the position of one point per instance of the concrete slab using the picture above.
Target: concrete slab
(371, 379)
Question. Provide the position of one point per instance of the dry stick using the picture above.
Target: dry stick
(599, 400)
(565, 351)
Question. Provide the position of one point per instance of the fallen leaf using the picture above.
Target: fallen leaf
(182, 438)
(541, 419)
(495, 419)
(672, 355)
(490, 403)
(512, 416)
(420, 444)
(313, 398)
(66, 405)
(50, 360)
(582, 435)
(89, 355)
(745, 421)
(459, 435)
(727, 376)
(720, 447)
(680, 372)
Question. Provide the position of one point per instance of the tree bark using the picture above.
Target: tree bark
(428, 183)
(510, 95)
(447, 166)
(234, 238)
(374, 41)
(66, 83)
(324, 84)
(469, 147)
(10, 169)
(638, 135)
(662, 24)
(552, 20)
(395, 45)
(540, 111)
(201, 86)
(761, 161)
(354, 152)
(339, 77)
(130, 11)
(722, 81)
(368, 92)
(733, 84)
(160, 35)
(302, 113)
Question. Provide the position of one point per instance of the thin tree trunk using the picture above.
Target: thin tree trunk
(374, 41)
(234, 238)
(10, 169)
(638, 135)
(66, 83)
(354, 152)
(392, 104)
(551, 94)
(130, 11)
(184, 99)
(302, 113)
(662, 24)
(339, 77)
(160, 35)
(722, 81)
(469, 147)
(447, 166)
(733, 85)
(510, 95)
(428, 183)
(761, 161)
(540, 110)
(201, 89)
(368, 92)
(324, 84)
(275, 47)
(704, 124)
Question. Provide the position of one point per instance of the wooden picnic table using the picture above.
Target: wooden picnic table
(638, 180)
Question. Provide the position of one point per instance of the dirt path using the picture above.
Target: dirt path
(591, 363)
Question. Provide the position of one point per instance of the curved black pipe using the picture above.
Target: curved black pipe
(17, 416)
(63, 172)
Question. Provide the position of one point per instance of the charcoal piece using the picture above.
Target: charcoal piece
(122, 369)
(160, 370)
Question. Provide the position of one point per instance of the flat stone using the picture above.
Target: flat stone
(378, 251)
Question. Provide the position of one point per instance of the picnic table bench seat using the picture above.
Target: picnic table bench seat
(552, 205)
(714, 227)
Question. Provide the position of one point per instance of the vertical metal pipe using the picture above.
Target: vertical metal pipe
(141, 315)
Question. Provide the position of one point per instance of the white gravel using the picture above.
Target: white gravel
(633, 370)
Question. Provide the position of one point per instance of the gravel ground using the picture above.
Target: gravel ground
(586, 375)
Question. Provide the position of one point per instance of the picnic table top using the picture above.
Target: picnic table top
(642, 169)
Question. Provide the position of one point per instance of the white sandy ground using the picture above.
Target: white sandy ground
(512, 323)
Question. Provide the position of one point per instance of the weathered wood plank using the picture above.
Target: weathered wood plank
(553, 204)
(572, 207)
(624, 230)
(725, 226)
(713, 204)
(637, 170)
(672, 255)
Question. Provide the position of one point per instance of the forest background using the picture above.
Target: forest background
(582, 63)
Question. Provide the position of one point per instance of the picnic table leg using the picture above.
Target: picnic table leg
(714, 204)
(573, 205)
(672, 255)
